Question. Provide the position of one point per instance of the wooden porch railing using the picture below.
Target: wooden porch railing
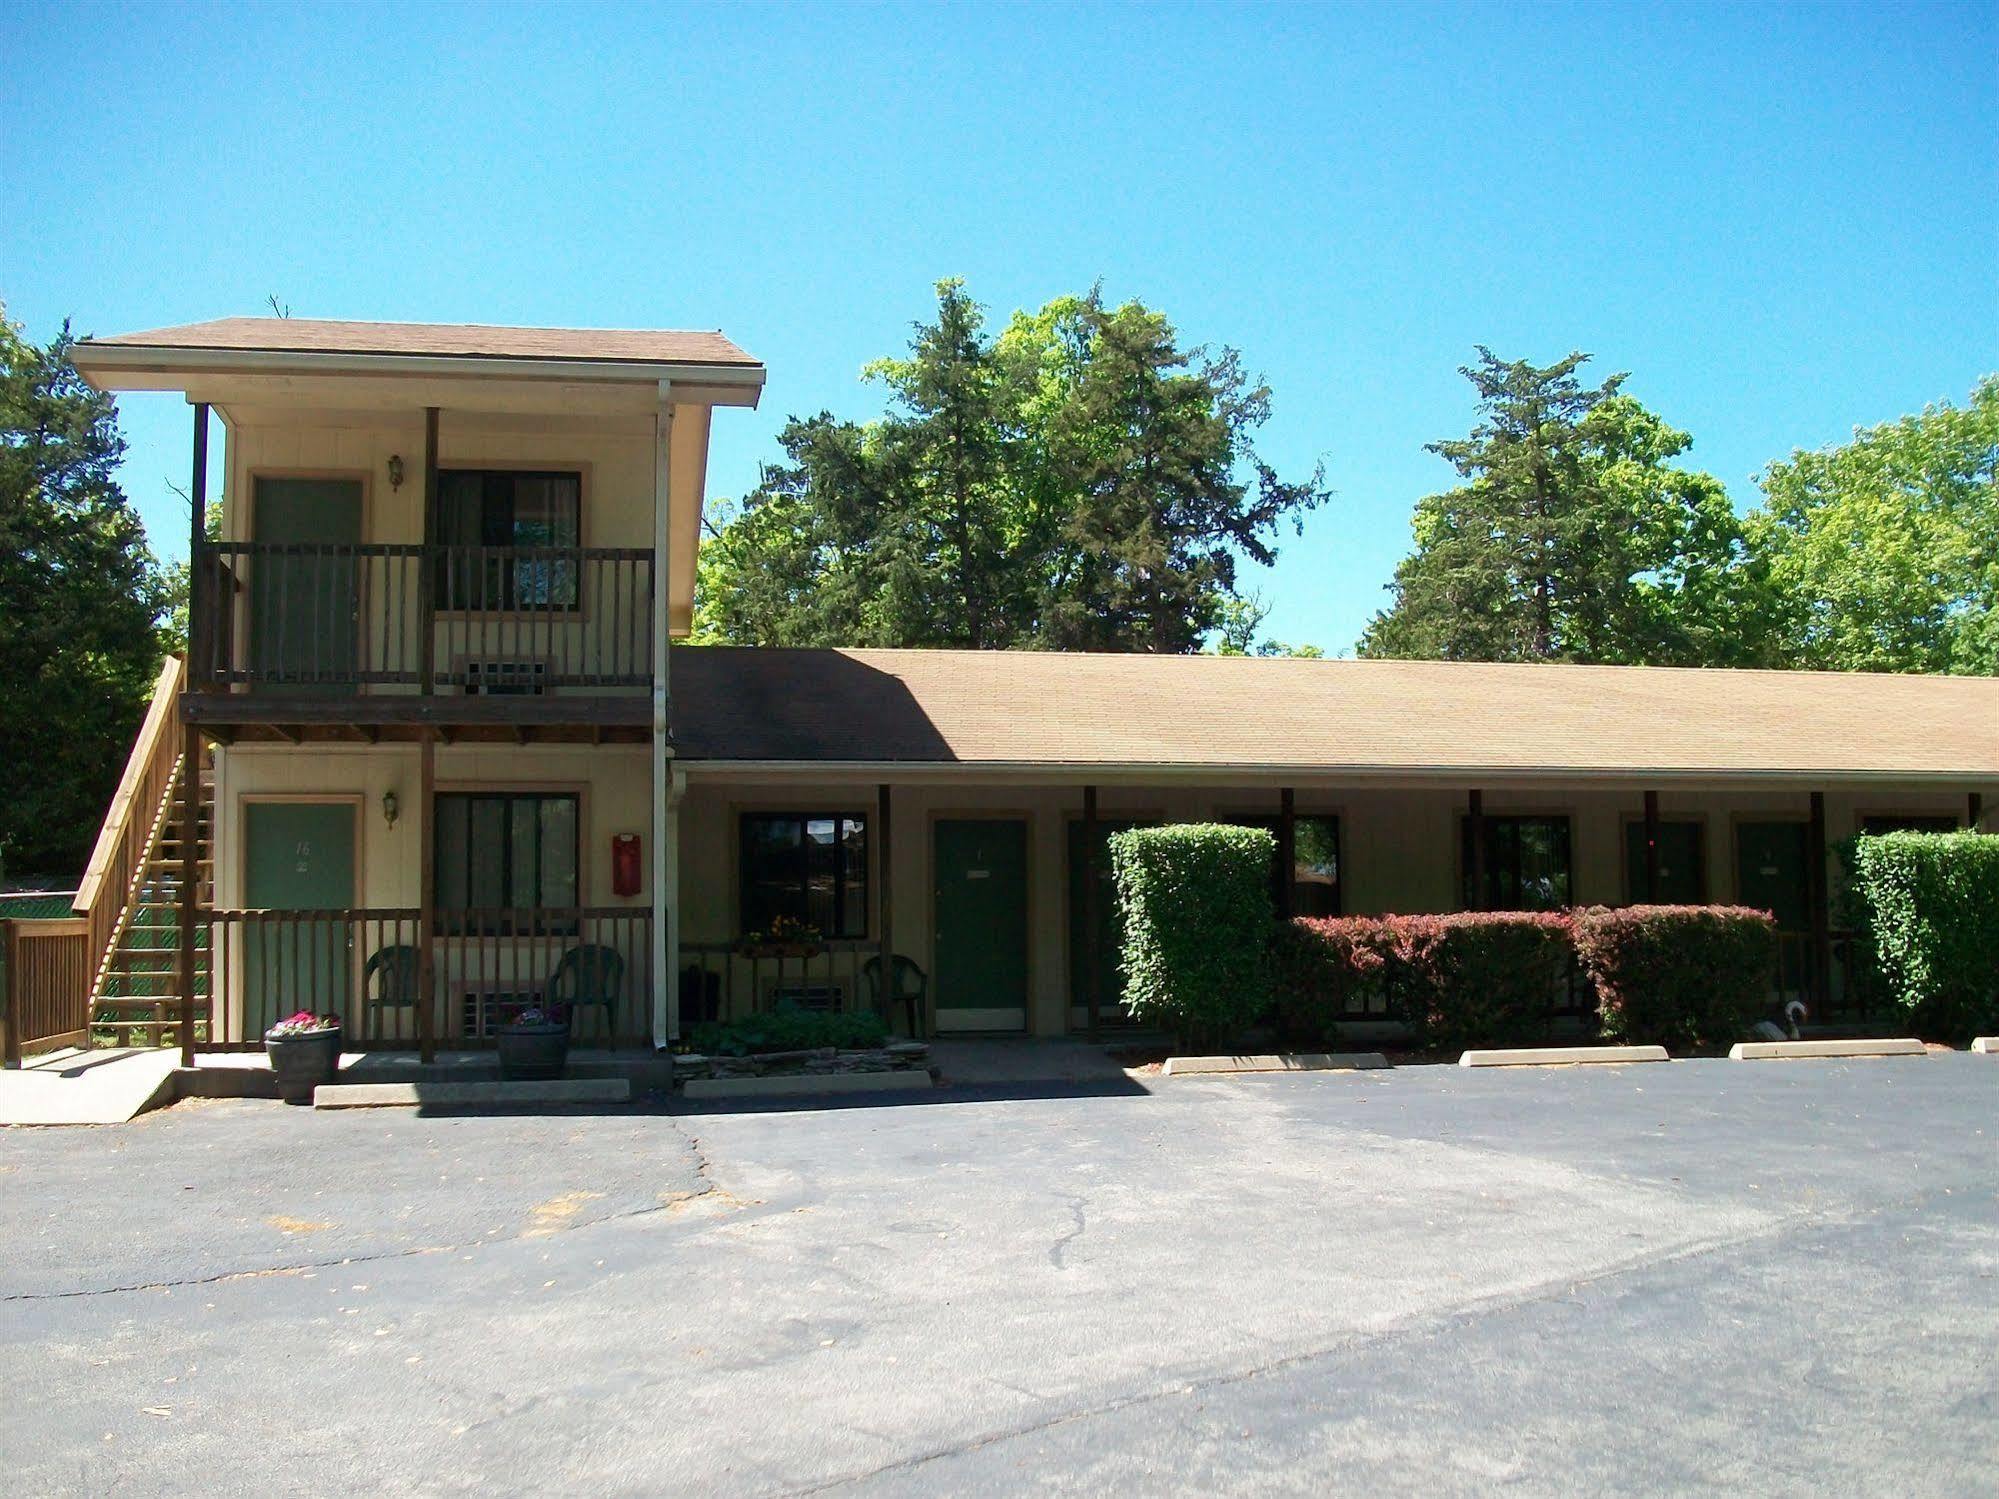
(362, 964)
(44, 985)
(131, 824)
(508, 620)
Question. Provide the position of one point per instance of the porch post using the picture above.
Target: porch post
(1287, 853)
(885, 900)
(190, 765)
(665, 863)
(426, 938)
(1093, 955)
(426, 576)
(1974, 809)
(200, 635)
(1815, 889)
(1651, 848)
(1476, 823)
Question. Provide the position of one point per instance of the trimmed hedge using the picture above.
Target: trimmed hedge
(790, 1030)
(1929, 904)
(1678, 976)
(1195, 899)
(1475, 978)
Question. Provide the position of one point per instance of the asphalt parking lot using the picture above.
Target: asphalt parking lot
(1778, 1278)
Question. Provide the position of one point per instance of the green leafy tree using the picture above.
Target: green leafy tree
(1076, 480)
(1884, 553)
(81, 602)
(1574, 537)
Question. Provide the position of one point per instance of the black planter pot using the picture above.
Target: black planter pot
(302, 1063)
(533, 1051)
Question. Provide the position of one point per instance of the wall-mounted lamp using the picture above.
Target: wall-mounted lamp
(391, 808)
(396, 471)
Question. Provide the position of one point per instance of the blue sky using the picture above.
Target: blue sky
(1782, 221)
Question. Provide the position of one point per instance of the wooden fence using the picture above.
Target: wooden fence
(45, 970)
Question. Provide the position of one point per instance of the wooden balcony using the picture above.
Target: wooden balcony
(297, 640)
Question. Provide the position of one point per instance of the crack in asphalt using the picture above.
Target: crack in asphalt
(671, 1202)
(1058, 1251)
(1420, 1325)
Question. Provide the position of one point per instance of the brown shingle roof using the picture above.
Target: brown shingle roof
(272, 335)
(1047, 708)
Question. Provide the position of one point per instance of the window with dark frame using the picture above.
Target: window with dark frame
(1526, 863)
(1908, 822)
(809, 867)
(511, 538)
(509, 853)
(1315, 864)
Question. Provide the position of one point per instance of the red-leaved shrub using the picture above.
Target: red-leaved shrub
(1476, 978)
(1678, 976)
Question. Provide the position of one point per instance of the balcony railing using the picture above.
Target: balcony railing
(318, 618)
(364, 966)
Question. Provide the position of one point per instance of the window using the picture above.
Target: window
(1911, 823)
(1526, 863)
(501, 529)
(1682, 863)
(511, 851)
(1315, 864)
(807, 866)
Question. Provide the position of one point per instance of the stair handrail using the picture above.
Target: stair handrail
(123, 841)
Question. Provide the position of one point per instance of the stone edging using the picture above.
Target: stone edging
(1315, 1061)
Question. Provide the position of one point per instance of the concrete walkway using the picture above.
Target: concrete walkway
(87, 1087)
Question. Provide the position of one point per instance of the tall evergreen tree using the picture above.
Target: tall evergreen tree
(1077, 480)
(81, 600)
(1574, 538)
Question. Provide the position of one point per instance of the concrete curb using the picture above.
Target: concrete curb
(1986, 1046)
(1562, 1056)
(1777, 1051)
(460, 1095)
(1311, 1061)
(796, 1085)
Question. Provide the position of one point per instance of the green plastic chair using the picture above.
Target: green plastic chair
(910, 987)
(390, 977)
(589, 975)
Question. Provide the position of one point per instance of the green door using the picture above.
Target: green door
(1109, 935)
(297, 856)
(305, 601)
(980, 869)
(1770, 871)
(1682, 879)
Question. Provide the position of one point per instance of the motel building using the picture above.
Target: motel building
(436, 752)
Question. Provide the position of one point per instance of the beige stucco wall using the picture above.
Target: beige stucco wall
(1399, 846)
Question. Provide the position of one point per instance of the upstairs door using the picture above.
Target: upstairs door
(297, 857)
(305, 597)
(980, 869)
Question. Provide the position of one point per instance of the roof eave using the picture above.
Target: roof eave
(101, 363)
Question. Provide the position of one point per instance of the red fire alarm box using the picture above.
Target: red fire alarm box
(625, 864)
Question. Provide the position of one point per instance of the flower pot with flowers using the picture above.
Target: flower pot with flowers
(535, 1043)
(305, 1051)
(785, 937)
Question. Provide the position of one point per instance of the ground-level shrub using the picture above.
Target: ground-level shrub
(1678, 976)
(789, 1030)
(1930, 907)
(1195, 899)
(1476, 978)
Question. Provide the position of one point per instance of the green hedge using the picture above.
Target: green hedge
(1678, 976)
(1195, 899)
(1929, 903)
(789, 1030)
(1476, 978)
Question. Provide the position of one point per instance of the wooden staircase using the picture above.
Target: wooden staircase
(136, 992)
